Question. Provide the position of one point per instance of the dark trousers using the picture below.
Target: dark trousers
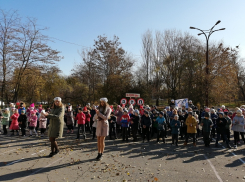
(146, 133)
(224, 136)
(94, 131)
(213, 133)
(87, 126)
(119, 128)
(153, 131)
(206, 138)
(43, 130)
(82, 127)
(236, 137)
(134, 130)
(5, 129)
(124, 133)
(113, 131)
(242, 135)
(23, 131)
(228, 134)
(192, 135)
(70, 127)
(161, 134)
(175, 138)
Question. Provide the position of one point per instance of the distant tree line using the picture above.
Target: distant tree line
(172, 66)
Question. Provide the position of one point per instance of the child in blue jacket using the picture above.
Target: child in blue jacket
(125, 121)
(161, 126)
(175, 125)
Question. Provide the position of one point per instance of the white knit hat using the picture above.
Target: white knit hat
(104, 99)
(57, 98)
(136, 111)
(239, 111)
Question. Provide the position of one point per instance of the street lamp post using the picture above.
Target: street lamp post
(207, 34)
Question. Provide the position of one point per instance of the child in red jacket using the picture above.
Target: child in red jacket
(87, 120)
(81, 123)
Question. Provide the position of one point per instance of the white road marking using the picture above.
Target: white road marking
(234, 154)
(44, 167)
(38, 152)
(212, 166)
(23, 158)
(239, 158)
(14, 162)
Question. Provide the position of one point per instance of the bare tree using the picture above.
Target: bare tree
(9, 22)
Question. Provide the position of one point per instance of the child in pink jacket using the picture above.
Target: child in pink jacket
(42, 123)
(33, 123)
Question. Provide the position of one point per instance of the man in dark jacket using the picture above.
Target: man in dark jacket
(146, 125)
(221, 129)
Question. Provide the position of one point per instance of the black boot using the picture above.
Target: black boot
(98, 157)
(101, 156)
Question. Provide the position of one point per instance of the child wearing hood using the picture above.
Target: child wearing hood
(238, 126)
(5, 120)
(42, 122)
(23, 122)
(14, 124)
(33, 123)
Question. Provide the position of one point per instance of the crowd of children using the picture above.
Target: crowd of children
(144, 122)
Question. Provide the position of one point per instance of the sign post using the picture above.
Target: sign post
(123, 101)
(132, 101)
(140, 101)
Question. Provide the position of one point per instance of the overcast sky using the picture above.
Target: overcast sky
(81, 21)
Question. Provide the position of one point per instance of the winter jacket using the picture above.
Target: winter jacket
(112, 121)
(69, 118)
(228, 124)
(191, 124)
(80, 118)
(238, 123)
(206, 125)
(153, 118)
(125, 121)
(161, 123)
(214, 118)
(88, 116)
(146, 121)
(21, 109)
(22, 120)
(14, 124)
(221, 123)
(92, 112)
(135, 120)
(175, 129)
(42, 122)
(118, 114)
(33, 121)
(5, 120)
(56, 121)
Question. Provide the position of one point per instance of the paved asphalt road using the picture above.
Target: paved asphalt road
(24, 159)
